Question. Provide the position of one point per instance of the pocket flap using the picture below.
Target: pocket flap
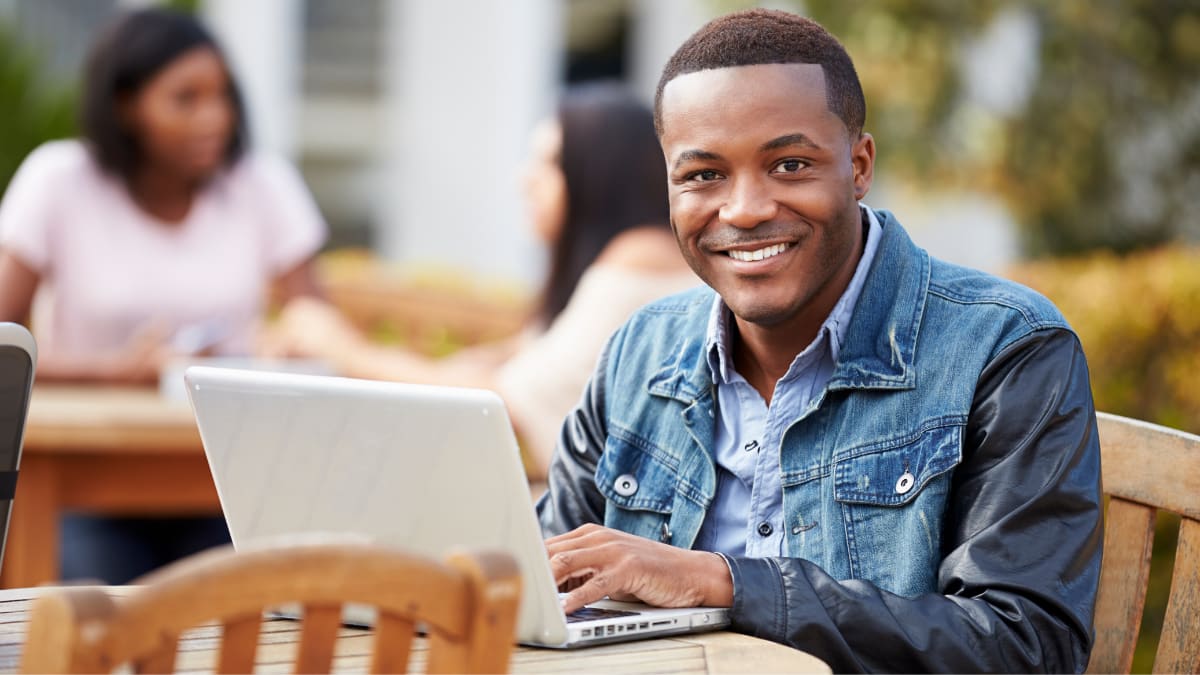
(633, 478)
(894, 472)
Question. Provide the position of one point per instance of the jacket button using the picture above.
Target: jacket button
(625, 485)
(765, 529)
(905, 483)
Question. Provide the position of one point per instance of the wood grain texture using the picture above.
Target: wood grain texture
(1179, 642)
(1157, 468)
(1150, 464)
(701, 654)
(1128, 540)
(453, 601)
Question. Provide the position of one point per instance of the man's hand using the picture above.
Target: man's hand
(595, 561)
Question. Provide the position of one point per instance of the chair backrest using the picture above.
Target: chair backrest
(1147, 467)
(468, 607)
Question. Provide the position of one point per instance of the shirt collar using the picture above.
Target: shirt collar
(833, 330)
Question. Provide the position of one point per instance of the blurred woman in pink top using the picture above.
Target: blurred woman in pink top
(156, 234)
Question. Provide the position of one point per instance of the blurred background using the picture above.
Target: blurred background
(1054, 142)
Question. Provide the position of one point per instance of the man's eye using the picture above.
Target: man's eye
(789, 166)
(704, 176)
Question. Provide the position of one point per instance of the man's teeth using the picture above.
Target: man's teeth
(760, 254)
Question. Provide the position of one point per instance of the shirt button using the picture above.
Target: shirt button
(905, 483)
(765, 529)
(625, 485)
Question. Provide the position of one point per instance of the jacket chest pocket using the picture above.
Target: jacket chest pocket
(892, 496)
(639, 486)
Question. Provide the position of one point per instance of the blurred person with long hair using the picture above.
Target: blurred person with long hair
(596, 190)
(156, 234)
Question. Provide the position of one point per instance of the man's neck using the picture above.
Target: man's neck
(763, 354)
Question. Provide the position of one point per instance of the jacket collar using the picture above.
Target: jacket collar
(880, 343)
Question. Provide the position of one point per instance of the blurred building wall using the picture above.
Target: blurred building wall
(465, 82)
(409, 118)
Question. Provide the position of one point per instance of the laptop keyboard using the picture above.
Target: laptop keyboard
(590, 613)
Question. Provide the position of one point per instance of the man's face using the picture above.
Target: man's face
(764, 187)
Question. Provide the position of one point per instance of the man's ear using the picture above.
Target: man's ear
(862, 156)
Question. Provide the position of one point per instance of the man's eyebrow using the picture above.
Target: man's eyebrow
(693, 155)
(789, 140)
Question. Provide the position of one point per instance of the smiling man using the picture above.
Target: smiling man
(875, 456)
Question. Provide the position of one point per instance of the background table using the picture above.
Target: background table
(719, 652)
(110, 450)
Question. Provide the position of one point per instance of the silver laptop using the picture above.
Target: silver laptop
(426, 469)
(18, 360)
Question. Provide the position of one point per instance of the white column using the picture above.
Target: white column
(659, 27)
(263, 40)
(465, 83)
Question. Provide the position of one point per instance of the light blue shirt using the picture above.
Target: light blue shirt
(746, 516)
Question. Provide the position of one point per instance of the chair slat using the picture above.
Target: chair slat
(84, 631)
(495, 616)
(239, 644)
(393, 644)
(162, 659)
(319, 631)
(1148, 463)
(1179, 643)
(1128, 541)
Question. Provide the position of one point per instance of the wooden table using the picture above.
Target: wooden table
(110, 450)
(719, 652)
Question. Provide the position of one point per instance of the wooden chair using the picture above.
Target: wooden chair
(468, 607)
(1147, 467)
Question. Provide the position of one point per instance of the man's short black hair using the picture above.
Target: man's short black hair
(762, 36)
(127, 56)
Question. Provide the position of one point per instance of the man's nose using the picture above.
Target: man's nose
(748, 204)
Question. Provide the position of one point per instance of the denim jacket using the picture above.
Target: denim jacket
(941, 497)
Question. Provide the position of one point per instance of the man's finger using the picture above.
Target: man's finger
(574, 562)
(596, 588)
(577, 533)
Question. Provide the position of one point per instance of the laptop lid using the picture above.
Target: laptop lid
(424, 468)
(428, 469)
(18, 360)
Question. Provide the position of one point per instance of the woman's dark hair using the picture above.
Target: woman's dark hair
(129, 54)
(616, 180)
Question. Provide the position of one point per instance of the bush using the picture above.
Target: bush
(1138, 317)
(33, 113)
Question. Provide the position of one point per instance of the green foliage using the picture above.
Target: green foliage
(1106, 151)
(188, 6)
(33, 112)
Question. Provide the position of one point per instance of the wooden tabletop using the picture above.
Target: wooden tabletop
(119, 451)
(719, 652)
(107, 418)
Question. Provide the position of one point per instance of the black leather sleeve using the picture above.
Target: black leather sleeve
(571, 498)
(1017, 583)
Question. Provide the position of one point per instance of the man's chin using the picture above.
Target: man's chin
(759, 313)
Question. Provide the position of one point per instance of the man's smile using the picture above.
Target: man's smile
(757, 254)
